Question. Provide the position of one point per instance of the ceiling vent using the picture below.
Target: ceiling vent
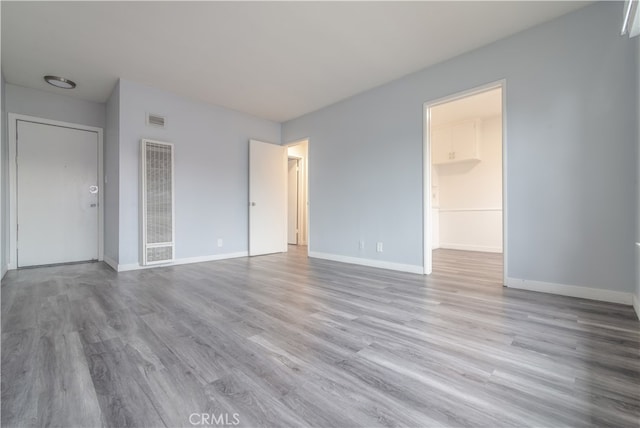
(156, 120)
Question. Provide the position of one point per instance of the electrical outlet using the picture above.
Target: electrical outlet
(220, 242)
(361, 243)
(379, 247)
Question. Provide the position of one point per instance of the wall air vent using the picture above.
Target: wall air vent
(157, 203)
(156, 120)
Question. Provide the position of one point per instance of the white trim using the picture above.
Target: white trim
(572, 291)
(505, 195)
(381, 264)
(427, 205)
(184, 261)
(636, 297)
(427, 220)
(459, 210)
(300, 201)
(465, 247)
(13, 218)
(3, 201)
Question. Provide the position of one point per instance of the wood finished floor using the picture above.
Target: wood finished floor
(283, 340)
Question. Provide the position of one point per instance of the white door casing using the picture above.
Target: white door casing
(57, 194)
(292, 201)
(267, 198)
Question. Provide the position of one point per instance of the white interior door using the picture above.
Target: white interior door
(57, 194)
(292, 203)
(267, 198)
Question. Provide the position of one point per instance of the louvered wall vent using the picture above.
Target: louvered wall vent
(156, 120)
(157, 203)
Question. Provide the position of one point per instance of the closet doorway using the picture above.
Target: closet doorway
(464, 218)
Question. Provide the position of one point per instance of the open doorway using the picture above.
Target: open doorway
(464, 209)
(297, 190)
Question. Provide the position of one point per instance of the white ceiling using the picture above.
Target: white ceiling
(485, 104)
(276, 60)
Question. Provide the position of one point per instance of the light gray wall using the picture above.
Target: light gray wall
(211, 169)
(4, 174)
(112, 175)
(571, 137)
(47, 105)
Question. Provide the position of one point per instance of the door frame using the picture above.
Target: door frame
(307, 187)
(299, 180)
(13, 191)
(427, 218)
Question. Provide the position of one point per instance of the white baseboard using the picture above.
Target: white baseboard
(572, 291)
(466, 247)
(188, 260)
(368, 262)
(636, 305)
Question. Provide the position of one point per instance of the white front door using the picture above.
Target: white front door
(292, 203)
(57, 194)
(267, 198)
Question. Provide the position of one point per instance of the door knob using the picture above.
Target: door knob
(253, 204)
(93, 189)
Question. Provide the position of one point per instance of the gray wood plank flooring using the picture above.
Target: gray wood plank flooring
(283, 340)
